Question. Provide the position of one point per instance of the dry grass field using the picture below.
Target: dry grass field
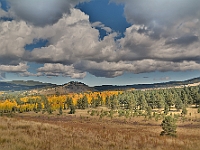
(31, 131)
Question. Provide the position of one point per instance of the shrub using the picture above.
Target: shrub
(198, 110)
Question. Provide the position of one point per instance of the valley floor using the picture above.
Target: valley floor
(30, 131)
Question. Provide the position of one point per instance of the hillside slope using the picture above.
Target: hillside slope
(71, 87)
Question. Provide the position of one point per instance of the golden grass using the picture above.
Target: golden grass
(75, 132)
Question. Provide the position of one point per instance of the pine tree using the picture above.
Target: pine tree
(169, 100)
(149, 111)
(82, 103)
(168, 126)
(72, 109)
(160, 101)
(166, 109)
(69, 102)
(60, 110)
(178, 104)
(143, 103)
(184, 110)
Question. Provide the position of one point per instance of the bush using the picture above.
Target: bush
(184, 110)
(198, 110)
(72, 109)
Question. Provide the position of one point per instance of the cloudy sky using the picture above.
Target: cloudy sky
(99, 41)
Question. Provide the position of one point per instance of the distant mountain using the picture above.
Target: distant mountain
(190, 82)
(20, 85)
(78, 87)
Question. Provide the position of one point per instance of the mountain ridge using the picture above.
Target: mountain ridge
(75, 86)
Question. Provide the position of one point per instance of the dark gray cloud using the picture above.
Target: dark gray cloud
(41, 12)
(185, 40)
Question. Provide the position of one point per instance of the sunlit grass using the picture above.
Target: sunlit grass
(85, 132)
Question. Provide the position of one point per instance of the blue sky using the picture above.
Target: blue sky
(99, 42)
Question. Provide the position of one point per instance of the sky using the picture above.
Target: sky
(99, 42)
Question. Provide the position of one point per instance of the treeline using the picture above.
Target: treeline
(178, 98)
(164, 99)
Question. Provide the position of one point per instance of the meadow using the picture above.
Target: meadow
(81, 131)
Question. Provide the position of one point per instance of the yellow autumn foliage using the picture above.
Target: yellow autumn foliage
(7, 105)
(55, 101)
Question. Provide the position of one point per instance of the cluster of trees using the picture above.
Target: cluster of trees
(52, 103)
(162, 98)
(115, 100)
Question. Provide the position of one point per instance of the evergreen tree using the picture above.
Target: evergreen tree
(113, 102)
(45, 101)
(82, 103)
(178, 104)
(60, 110)
(49, 109)
(160, 101)
(93, 103)
(131, 102)
(70, 105)
(198, 100)
(169, 100)
(69, 102)
(184, 110)
(168, 126)
(142, 102)
(149, 111)
(72, 109)
(79, 103)
(39, 106)
(153, 101)
(184, 97)
(108, 103)
(99, 101)
(166, 109)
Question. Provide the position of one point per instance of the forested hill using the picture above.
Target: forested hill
(147, 86)
(20, 85)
